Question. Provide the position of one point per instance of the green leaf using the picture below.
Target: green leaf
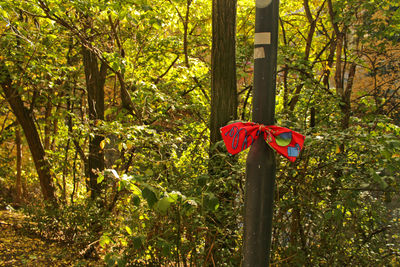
(164, 203)
(104, 240)
(136, 200)
(150, 196)
(176, 196)
(135, 190)
(100, 178)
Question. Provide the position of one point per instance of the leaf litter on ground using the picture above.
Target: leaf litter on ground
(18, 248)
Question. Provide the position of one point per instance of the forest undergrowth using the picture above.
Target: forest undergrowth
(19, 247)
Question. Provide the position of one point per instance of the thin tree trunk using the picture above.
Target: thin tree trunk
(65, 170)
(338, 70)
(185, 32)
(47, 126)
(329, 62)
(346, 97)
(95, 80)
(341, 91)
(18, 180)
(32, 136)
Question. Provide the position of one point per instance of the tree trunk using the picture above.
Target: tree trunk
(223, 110)
(32, 136)
(18, 180)
(223, 67)
(95, 80)
(47, 126)
(346, 97)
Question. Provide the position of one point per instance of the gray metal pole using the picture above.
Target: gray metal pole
(260, 167)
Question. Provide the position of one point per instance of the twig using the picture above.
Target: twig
(168, 69)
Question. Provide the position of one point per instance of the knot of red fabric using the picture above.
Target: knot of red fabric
(240, 135)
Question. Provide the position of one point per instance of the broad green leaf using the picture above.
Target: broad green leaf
(150, 196)
(100, 178)
(164, 203)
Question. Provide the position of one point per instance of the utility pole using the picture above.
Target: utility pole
(260, 167)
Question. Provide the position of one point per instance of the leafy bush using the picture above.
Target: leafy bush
(79, 223)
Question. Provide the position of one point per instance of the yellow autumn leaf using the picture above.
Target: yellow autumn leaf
(102, 143)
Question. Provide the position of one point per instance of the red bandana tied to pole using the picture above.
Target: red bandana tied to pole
(240, 135)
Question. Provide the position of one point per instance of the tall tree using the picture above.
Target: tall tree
(223, 109)
(32, 136)
(95, 79)
(223, 67)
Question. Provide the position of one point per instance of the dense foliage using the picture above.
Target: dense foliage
(152, 195)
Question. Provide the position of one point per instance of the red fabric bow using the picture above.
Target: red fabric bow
(239, 136)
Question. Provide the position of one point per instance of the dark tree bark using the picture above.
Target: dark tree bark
(95, 79)
(223, 67)
(185, 32)
(32, 136)
(47, 126)
(223, 109)
(18, 178)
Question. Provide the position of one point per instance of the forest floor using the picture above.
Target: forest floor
(19, 248)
